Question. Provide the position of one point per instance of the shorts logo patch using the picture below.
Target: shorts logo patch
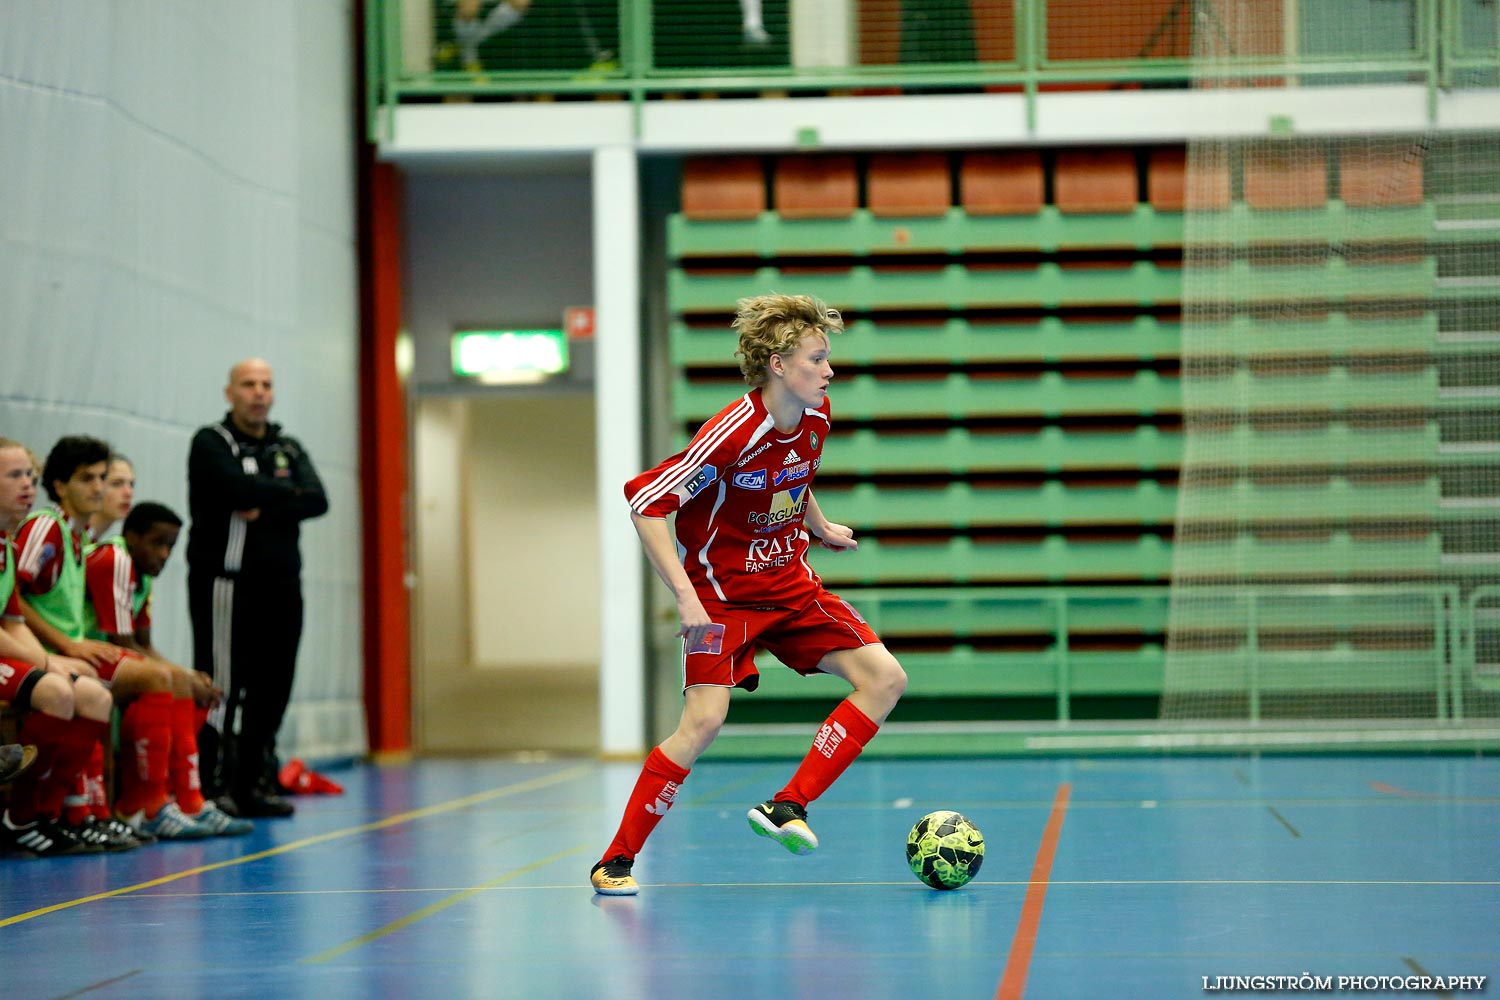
(712, 641)
(857, 616)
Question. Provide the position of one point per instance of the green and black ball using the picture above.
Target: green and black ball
(945, 850)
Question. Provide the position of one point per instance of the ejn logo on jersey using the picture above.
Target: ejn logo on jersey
(751, 480)
(786, 507)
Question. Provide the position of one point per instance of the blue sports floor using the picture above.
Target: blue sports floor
(1118, 877)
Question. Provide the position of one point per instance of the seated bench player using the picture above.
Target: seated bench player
(63, 714)
(161, 789)
(50, 578)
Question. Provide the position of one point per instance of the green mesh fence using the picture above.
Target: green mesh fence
(1337, 552)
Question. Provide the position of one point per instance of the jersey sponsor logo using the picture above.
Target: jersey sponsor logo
(705, 475)
(786, 507)
(769, 553)
(6, 671)
(791, 457)
(746, 460)
(751, 480)
(712, 641)
(813, 437)
(792, 473)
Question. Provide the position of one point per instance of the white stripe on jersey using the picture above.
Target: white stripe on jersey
(693, 458)
(708, 567)
(708, 564)
(124, 613)
(30, 559)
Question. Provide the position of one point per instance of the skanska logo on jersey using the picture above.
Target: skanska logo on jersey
(751, 480)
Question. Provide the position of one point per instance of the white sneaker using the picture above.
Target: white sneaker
(171, 823)
(219, 823)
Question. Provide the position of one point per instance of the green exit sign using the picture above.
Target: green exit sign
(509, 356)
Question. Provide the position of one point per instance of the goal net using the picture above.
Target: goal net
(1337, 549)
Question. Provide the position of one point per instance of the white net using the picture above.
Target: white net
(1337, 557)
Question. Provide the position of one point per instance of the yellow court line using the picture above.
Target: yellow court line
(438, 907)
(322, 838)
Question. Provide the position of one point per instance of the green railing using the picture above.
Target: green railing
(1440, 44)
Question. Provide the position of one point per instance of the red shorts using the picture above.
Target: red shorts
(799, 638)
(109, 666)
(16, 680)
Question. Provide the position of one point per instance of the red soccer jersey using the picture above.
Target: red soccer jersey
(740, 490)
(39, 545)
(112, 583)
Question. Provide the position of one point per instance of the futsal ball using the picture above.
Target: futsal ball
(945, 850)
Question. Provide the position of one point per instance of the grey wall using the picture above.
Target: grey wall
(509, 250)
(177, 193)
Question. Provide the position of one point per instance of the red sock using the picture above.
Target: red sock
(88, 798)
(80, 737)
(49, 733)
(838, 742)
(649, 801)
(146, 742)
(182, 768)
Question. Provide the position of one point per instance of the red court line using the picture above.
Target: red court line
(1013, 982)
(1405, 793)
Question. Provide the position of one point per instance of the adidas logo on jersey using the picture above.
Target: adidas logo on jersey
(791, 457)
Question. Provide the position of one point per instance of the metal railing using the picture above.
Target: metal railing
(1443, 50)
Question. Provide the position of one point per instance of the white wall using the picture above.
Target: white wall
(532, 528)
(177, 193)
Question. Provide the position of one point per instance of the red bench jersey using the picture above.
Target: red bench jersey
(740, 491)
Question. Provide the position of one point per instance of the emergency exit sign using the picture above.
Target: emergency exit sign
(505, 356)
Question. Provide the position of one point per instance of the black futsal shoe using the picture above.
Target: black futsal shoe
(785, 823)
(259, 805)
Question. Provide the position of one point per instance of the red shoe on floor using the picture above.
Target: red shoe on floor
(297, 779)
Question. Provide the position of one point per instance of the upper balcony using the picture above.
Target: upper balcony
(645, 51)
